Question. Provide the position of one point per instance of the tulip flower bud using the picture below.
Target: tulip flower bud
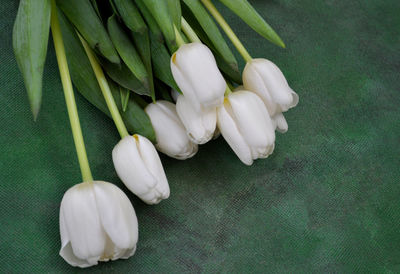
(170, 132)
(97, 223)
(265, 79)
(245, 124)
(200, 122)
(138, 165)
(196, 72)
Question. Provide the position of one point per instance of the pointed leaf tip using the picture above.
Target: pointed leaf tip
(251, 17)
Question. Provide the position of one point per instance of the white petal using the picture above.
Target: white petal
(66, 251)
(230, 132)
(154, 165)
(197, 66)
(253, 82)
(183, 83)
(200, 124)
(130, 167)
(253, 121)
(280, 122)
(276, 83)
(175, 94)
(170, 132)
(81, 224)
(117, 215)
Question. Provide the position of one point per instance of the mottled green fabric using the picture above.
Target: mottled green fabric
(327, 200)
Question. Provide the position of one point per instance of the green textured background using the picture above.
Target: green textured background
(328, 200)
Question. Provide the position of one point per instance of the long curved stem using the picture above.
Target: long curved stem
(105, 89)
(228, 30)
(69, 96)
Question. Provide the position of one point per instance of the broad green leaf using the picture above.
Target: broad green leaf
(151, 22)
(85, 81)
(251, 17)
(136, 120)
(174, 7)
(127, 51)
(226, 69)
(164, 91)
(132, 18)
(85, 19)
(159, 10)
(161, 62)
(142, 43)
(211, 29)
(96, 7)
(123, 76)
(30, 40)
(130, 15)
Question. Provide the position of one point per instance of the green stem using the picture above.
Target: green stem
(105, 89)
(190, 33)
(228, 30)
(179, 38)
(69, 95)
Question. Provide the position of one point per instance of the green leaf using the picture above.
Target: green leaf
(161, 62)
(124, 93)
(211, 29)
(123, 76)
(130, 15)
(174, 7)
(136, 120)
(251, 17)
(85, 81)
(226, 69)
(30, 40)
(151, 22)
(159, 10)
(84, 17)
(142, 42)
(127, 51)
(164, 91)
(132, 18)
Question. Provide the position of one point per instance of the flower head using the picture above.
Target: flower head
(97, 223)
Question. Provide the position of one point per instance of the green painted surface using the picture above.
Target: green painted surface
(326, 201)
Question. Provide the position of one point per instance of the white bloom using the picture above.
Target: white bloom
(97, 223)
(245, 124)
(200, 122)
(265, 79)
(196, 72)
(138, 165)
(170, 132)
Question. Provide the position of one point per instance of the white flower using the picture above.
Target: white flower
(196, 72)
(245, 124)
(170, 132)
(97, 223)
(138, 165)
(265, 79)
(200, 122)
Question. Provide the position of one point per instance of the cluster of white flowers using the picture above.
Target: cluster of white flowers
(97, 220)
(247, 117)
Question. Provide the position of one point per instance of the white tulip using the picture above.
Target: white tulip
(265, 79)
(196, 72)
(139, 167)
(200, 122)
(97, 223)
(172, 139)
(245, 124)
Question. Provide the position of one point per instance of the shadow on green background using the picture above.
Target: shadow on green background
(327, 200)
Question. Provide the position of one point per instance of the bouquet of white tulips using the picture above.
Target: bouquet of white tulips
(165, 75)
